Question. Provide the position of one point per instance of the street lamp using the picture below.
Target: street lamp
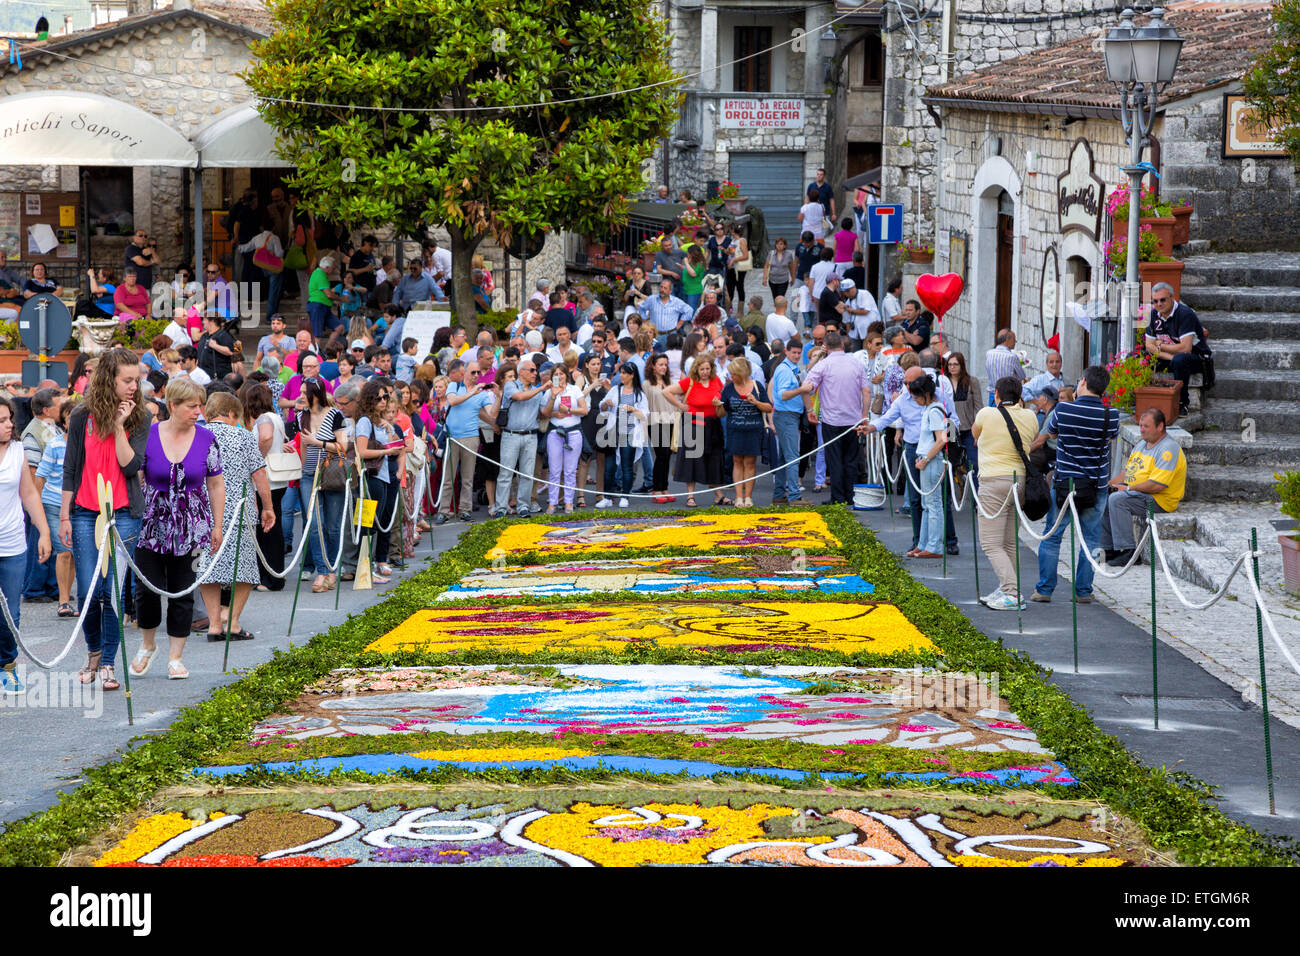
(1140, 61)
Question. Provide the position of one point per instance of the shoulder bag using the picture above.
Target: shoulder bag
(283, 466)
(1038, 497)
(267, 260)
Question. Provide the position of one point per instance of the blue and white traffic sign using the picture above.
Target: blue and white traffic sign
(884, 223)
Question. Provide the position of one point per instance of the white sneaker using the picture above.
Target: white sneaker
(1006, 603)
(604, 503)
(993, 596)
(622, 502)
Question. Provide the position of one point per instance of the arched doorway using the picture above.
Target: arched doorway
(995, 295)
(1005, 258)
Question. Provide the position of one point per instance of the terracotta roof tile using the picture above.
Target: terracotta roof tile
(1222, 40)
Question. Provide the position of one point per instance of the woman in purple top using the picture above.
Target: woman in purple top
(184, 501)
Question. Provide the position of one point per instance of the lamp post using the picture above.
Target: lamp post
(1140, 61)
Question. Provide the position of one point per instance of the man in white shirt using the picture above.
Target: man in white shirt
(859, 310)
(563, 345)
(778, 324)
(890, 305)
(818, 273)
(175, 329)
(437, 263)
(190, 365)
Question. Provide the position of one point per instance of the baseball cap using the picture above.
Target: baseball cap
(357, 344)
(848, 284)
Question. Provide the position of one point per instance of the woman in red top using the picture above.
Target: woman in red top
(130, 300)
(106, 438)
(700, 456)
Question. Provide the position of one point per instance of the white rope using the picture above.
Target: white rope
(302, 544)
(1216, 597)
(1098, 568)
(76, 631)
(1268, 621)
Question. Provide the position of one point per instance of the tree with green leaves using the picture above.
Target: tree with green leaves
(1272, 87)
(490, 117)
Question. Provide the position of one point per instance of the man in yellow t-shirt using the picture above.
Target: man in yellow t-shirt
(1156, 474)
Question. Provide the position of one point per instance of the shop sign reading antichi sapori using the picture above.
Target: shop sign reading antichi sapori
(749, 113)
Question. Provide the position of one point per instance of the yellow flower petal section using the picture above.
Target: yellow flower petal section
(846, 627)
(764, 530)
(655, 832)
(147, 835)
(1054, 859)
(501, 754)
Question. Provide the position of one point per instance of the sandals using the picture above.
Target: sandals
(67, 610)
(690, 502)
(108, 680)
(384, 569)
(88, 673)
(176, 670)
(580, 501)
(379, 579)
(719, 502)
(143, 661)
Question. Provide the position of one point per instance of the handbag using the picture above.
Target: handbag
(1038, 497)
(745, 264)
(295, 258)
(418, 456)
(267, 260)
(334, 471)
(283, 466)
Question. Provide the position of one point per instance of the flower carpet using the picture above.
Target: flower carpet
(685, 575)
(744, 688)
(629, 827)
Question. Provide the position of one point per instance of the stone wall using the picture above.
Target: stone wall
(911, 136)
(136, 68)
(1242, 204)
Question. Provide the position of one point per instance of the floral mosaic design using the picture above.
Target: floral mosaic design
(698, 575)
(847, 628)
(632, 829)
(765, 703)
(763, 531)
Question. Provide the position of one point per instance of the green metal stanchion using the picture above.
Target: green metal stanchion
(234, 575)
(121, 624)
(1015, 522)
(1155, 682)
(1074, 592)
(397, 525)
(974, 538)
(1263, 678)
(944, 483)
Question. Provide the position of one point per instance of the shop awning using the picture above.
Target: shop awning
(238, 138)
(63, 128)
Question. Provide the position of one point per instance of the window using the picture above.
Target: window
(753, 55)
(873, 61)
(110, 199)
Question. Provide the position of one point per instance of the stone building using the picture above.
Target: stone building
(1030, 148)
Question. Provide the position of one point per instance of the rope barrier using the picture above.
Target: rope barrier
(200, 578)
(76, 630)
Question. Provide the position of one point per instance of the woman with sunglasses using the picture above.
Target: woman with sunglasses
(626, 412)
(565, 405)
(375, 445)
(719, 249)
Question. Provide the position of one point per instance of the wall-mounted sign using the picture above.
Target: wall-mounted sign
(1243, 133)
(1049, 292)
(750, 113)
(1080, 193)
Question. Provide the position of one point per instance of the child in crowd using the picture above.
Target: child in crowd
(404, 367)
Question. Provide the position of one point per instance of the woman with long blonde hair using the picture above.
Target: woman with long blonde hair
(106, 439)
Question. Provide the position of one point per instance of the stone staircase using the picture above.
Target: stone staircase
(1249, 304)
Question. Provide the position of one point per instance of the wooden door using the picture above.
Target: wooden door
(1006, 251)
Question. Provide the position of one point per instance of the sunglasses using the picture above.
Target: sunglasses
(213, 272)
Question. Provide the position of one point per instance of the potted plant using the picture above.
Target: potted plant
(1153, 265)
(731, 197)
(1161, 392)
(1127, 375)
(1182, 223)
(648, 248)
(595, 249)
(1152, 211)
(916, 251)
(1288, 490)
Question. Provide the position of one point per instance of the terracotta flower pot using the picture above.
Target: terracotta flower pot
(1163, 397)
(1290, 543)
(1163, 227)
(11, 360)
(736, 205)
(1182, 224)
(920, 257)
(1152, 272)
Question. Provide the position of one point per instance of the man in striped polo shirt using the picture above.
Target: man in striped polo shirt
(1002, 361)
(1083, 430)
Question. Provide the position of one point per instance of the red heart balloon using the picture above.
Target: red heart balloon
(939, 293)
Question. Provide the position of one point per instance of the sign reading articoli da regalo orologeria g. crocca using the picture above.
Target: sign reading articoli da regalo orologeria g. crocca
(750, 113)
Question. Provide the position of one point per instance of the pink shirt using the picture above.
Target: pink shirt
(844, 243)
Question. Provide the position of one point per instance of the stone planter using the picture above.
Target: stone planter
(11, 360)
(1290, 560)
(1152, 272)
(1163, 397)
(1182, 224)
(1163, 227)
(736, 205)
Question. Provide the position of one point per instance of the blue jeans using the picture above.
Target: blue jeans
(12, 571)
(275, 286)
(1049, 550)
(101, 629)
(930, 532)
(38, 579)
(627, 458)
(322, 318)
(693, 299)
(972, 457)
(291, 505)
(786, 481)
(329, 512)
